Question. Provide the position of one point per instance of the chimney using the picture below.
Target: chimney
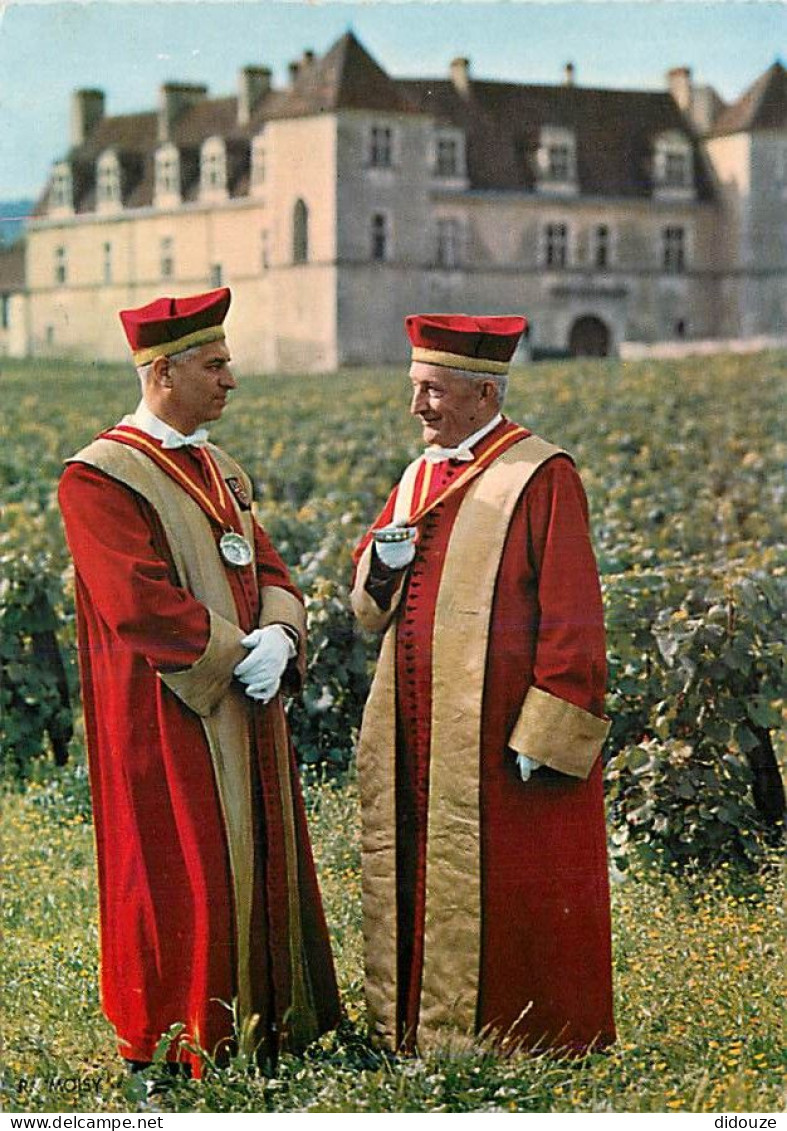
(293, 69)
(175, 98)
(87, 110)
(253, 84)
(460, 76)
(679, 83)
(569, 73)
(705, 107)
(308, 57)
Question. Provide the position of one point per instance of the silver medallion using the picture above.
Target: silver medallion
(235, 549)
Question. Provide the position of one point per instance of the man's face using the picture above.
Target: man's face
(450, 406)
(199, 386)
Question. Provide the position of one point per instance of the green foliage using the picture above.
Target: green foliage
(35, 711)
(683, 465)
(698, 679)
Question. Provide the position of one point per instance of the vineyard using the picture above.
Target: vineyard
(684, 468)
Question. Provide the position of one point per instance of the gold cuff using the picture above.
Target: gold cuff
(368, 613)
(202, 686)
(558, 734)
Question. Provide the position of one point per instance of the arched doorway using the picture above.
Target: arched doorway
(589, 337)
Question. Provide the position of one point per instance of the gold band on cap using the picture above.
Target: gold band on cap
(459, 361)
(167, 349)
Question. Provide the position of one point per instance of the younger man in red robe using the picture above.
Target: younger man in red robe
(189, 626)
(486, 900)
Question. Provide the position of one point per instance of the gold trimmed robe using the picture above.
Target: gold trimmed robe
(485, 898)
(207, 887)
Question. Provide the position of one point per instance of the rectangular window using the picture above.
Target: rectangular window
(61, 266)
(379, 237)
(559, 163)
(5, 309)
(448, 245)
(556, 245)
(167, 257)
(107, 254)
(673, 256)
(108, 186)
(167, 173)
(381, 147)
(676, 169)
(601, 247)
(447, 157)
(215, 275)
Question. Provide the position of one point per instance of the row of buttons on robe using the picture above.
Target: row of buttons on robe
(407, 634)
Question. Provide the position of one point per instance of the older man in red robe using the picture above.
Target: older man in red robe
(189, 627)
(486, 899)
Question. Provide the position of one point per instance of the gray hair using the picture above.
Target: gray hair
(143, 371)
(500, 381)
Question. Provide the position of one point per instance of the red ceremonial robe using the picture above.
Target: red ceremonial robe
(542, 973)
(168, 882)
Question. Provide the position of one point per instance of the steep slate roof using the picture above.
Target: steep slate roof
(347, 78)
(615, 132)
(762, 107)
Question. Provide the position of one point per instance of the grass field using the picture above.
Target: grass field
(697, 974)
(682, 461)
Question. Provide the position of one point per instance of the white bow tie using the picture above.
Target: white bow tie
(437, 454)
(197, 439)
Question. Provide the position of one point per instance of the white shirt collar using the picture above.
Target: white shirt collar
(463, 450)
(471, 441)
(148, 422)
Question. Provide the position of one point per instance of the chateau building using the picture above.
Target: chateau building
(345, 201)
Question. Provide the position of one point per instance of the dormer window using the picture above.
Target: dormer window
(559, 163)
(213, 168)
(449, 153)
(167, 175)
(676, 169)
(108, 193)
(381, 147)
(556, 160)
(62, 196)
(673, 165)
(259, 162)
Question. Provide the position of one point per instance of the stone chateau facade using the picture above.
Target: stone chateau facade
(345, 201)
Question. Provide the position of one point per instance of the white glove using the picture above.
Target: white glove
(396, 555)
(270, 650)
(526, 766)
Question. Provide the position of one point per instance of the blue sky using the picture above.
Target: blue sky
(129, 47)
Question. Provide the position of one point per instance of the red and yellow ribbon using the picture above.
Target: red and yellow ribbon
(124, 434)
(500, 445)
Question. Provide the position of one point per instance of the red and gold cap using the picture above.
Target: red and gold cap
(477, 343)
(169, 325)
